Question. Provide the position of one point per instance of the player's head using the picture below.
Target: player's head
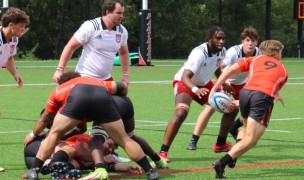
(68, 76)
(216, 39)
(249, 40)
(272, 48)
(109, 6)
(15, 16)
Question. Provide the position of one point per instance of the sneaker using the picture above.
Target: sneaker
(60, 167)
(152, 174)
(72, 174)
(232, 164)
(219, 169)
(191, 146)
(164, 156)
(224, 148)
(161, 164)
(2, 169)
(31, 175)
(99, 173)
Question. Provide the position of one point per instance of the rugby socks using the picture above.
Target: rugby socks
(221, 141)
(144, 163)
(100, 165)
(225, 160)
(194, 138)
(236, 125)
(155, 157)
(164, 148)
(37, 164)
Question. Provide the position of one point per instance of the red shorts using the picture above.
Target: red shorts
(237, 89)
(179, 87)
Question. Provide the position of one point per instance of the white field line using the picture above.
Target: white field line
(160, 123)
(132, 82)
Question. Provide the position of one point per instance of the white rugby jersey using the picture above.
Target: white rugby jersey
(7, 49)
(233, 55)
(100, 47)
(202, 63)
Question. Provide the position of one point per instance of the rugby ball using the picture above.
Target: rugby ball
(220, 102)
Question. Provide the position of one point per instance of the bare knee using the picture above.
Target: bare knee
(181, 111)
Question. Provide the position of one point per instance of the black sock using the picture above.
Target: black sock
(221, 140)
(100, 165)
(236, 125)
(225, 160)
(164, 148)
(155, 157)
(144, 163)
(194, 138)
(37, 164)
(61, 156)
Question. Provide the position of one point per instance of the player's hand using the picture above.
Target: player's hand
(278, 97)
(27, 140)
(135, 169)
(201, 92)
(57, 75)
(228, 88)
(19, 80)
(125, 78)
(234, 105)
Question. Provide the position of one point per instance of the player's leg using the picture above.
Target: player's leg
(226, 122)
(200, 126)
(117, 132)
(182, 105)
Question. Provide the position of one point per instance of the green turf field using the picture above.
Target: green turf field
(278, 155)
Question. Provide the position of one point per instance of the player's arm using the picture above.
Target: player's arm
(11, 67)
(124, 61)
(234, 69)
(66, 55)
(45, 120)
(186, 79)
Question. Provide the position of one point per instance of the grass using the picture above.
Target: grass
(278, 155)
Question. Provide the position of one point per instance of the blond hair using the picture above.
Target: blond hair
(269, 47)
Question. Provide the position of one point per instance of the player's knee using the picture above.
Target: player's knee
(181, 109)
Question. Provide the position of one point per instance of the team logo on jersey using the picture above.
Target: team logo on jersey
(218, 62)
(12, 48)
(118, 38)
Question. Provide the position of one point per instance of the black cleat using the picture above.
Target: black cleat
(219, 169)
(152, 174)
(191, 146)
(31, 175)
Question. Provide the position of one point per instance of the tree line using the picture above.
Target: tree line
(177, 25)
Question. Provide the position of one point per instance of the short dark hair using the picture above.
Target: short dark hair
(109, 5)
(249, 32)
(68, 76)
(213, 31)
(15, 16)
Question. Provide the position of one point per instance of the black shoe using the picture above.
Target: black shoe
(219, 169)
(232, 163)
(31, 175)
(60, 167)
(152, 174)
(191, 146)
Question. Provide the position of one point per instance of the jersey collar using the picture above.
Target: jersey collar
(104, 25)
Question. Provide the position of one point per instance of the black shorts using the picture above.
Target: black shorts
(90, 102)
(256, 105)
(31, 150)
(126, 111)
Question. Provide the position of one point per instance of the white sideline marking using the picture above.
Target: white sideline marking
(132, 82)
